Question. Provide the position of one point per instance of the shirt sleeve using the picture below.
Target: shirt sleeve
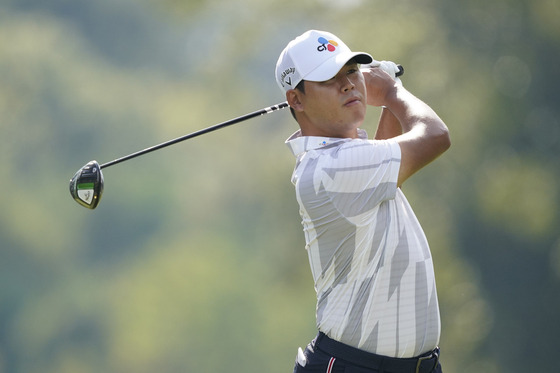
(361, 174)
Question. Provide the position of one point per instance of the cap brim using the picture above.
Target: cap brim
(331, 67)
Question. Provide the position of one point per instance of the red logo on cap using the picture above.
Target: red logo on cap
(329, 45)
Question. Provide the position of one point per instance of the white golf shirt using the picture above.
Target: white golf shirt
(369, 257)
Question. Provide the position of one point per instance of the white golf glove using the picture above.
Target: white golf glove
(389, 67)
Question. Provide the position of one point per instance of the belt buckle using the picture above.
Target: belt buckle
(435, 353)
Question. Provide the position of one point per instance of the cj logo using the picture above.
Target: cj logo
(329, 45)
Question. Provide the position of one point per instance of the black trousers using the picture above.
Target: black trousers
(325, 355)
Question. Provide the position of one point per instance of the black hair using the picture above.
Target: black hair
(300, 87)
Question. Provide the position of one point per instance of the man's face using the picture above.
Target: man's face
(336, 107)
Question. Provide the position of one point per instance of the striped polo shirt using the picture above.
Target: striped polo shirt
(369, 257)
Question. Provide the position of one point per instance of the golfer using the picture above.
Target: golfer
(377, 307)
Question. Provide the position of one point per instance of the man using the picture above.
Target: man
(377, 308)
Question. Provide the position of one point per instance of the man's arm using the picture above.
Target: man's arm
(424, 135)
(388, 127)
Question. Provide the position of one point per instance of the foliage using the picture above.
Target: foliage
(194, 259)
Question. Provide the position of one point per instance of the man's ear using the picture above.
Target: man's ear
(293, 96)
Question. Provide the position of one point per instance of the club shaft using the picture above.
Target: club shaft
(245, 117)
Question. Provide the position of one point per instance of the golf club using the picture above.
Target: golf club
(86, 186)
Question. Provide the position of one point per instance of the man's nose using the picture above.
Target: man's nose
(347, 84)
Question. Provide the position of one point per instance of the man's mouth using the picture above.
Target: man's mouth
(352, 101)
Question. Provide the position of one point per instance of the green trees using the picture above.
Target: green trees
(194, 261)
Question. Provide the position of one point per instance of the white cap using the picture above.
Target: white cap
(315, 56)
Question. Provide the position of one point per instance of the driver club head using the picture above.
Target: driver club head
(86, 187)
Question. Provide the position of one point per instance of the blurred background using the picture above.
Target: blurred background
(194, 260)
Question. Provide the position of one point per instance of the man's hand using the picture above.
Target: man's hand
(381, 79)
(391, 68)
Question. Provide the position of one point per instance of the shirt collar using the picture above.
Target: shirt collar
(299, 144)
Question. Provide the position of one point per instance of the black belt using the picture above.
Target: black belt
(425, 363)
